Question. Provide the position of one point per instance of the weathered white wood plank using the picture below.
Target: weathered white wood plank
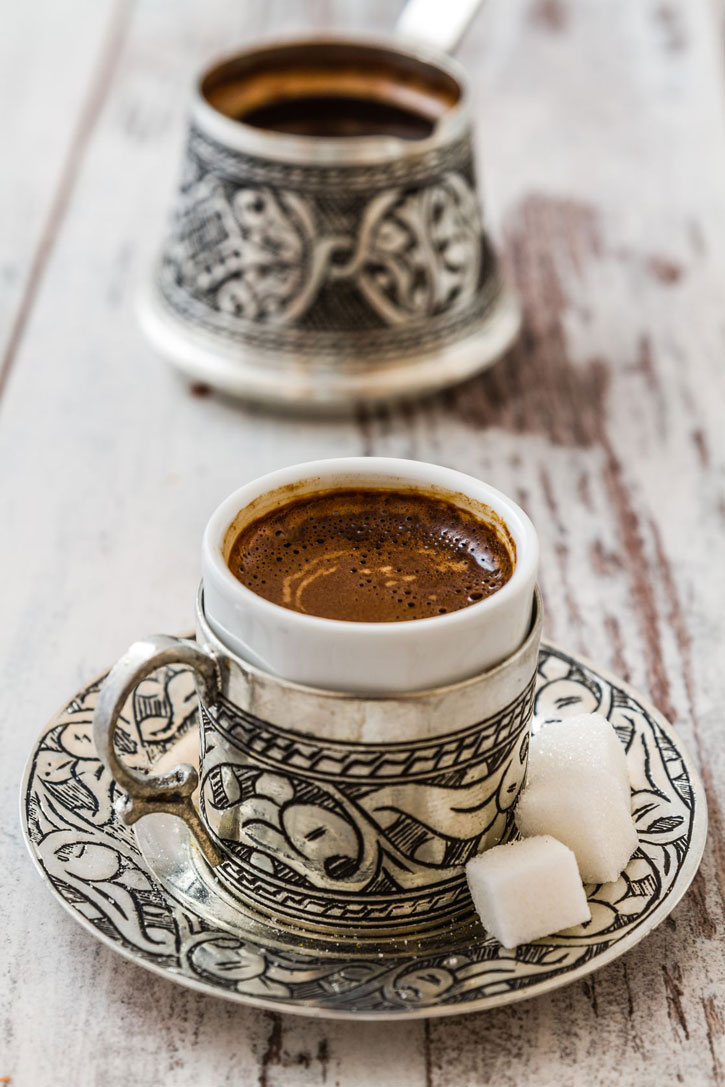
(607, 424)
(604, 162)
(54, 62)
(114, 433)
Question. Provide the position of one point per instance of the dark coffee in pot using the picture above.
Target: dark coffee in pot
(338, 115)
(333, 89)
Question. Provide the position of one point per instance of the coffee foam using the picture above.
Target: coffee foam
(371, 556)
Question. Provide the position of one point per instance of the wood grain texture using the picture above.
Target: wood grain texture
(603, 155)
(69, 65)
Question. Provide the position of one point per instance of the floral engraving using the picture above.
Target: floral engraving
(260, 254)
(314, 260)
(94, 865)
(394, 824)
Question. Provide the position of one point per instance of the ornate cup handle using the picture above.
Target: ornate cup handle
(146, 793)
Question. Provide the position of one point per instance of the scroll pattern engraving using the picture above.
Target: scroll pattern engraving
(304, 821)
(94, 866)
(291, 258)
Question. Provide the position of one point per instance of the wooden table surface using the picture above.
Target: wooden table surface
(603, 158)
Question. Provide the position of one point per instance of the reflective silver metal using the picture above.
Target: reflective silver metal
(442, 25)
(144, 793)
(327, 272)
(327, 812)
(154, 908)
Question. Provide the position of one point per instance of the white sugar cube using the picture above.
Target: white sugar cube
(527, 889)
(585, 743)
(587, 814)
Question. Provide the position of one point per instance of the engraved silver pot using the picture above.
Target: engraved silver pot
(326, 272)
(327, 813)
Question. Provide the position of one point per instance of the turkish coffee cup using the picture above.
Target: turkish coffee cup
(347, 803)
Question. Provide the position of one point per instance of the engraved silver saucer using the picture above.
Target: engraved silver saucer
(148, 894)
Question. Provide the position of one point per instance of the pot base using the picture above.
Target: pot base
(296, 381)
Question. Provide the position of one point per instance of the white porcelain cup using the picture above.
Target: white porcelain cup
(369, 658)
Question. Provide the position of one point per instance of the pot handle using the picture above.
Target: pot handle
(145, 793)
(436, 23)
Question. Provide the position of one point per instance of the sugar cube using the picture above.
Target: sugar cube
(585, 742)
(586, 813)
(527, 889)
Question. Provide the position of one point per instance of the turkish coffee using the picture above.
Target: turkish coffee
(372, 556)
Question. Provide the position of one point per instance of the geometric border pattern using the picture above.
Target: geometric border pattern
(240, 168)
(344, 761)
